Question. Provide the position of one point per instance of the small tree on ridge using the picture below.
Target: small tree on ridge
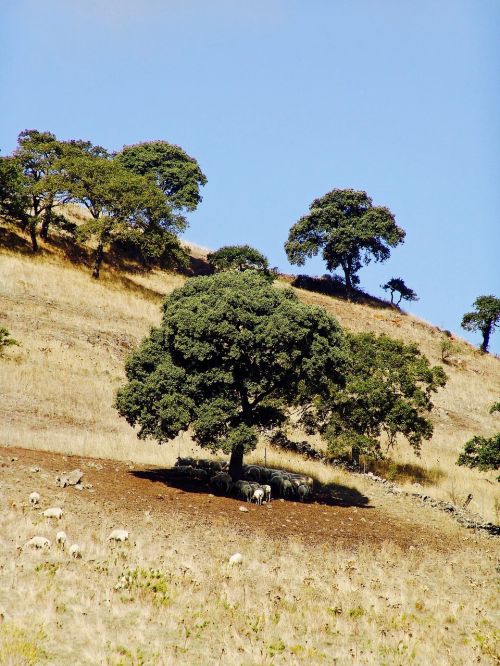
(485, 318)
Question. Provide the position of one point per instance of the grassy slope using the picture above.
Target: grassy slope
(57, 388)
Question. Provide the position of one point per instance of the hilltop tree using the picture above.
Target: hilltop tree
(14, 199)
(238, 258)
(176, 173)
(120, 203)
(485, 318)
(348, 230)
(230, 358)
(39, 189)
(387, 392)
(397, 285)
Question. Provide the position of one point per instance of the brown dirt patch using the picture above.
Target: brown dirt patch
(129, 490)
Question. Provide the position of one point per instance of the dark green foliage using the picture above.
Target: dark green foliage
(482, 453)
(176, 173)
(231, 356)
(348, 230)
(398, 286)
(122, 204)
(14, 200)
(6, 340)
(485, 318)
(238, 258)
(387, 392)
(495, 407)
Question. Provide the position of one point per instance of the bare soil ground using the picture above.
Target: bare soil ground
(340, 516)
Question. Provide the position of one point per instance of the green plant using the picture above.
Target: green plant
(239, 258)
(485, 318)
(349, 231)
(6, 340)
(398, 286)
(232, 356)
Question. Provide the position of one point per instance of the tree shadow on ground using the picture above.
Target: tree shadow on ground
(327, 494)
(334, 286)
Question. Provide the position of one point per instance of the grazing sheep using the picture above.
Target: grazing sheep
(236, 559)
(118, 535)
(53, 512)
(303, 492)
(267, 492)
(258, 495)
(37, 542)
(61, 538)
(75, 551)
(286, 487)
(276, 484)
(34, 499)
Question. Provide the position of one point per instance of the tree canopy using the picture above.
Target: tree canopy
(230, 358)
(348, 230)
(239, 258)
(387, 392)
(176, 173)
(485, 318)
(398, 286)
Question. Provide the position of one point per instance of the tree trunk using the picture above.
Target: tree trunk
(32, 228)
(236, 462)
(348, 281)
(47, 219)
(98, 257)
(486, 338)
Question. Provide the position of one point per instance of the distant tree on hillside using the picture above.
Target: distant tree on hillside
(348, 230)
(121, 204)
(482, 453)
(177, 174)
(387, 392)
(31, 183)
(485, 318)
(239, 258)
(231, 357)
(398, 286)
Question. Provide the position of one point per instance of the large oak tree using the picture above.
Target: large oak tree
(231, 357)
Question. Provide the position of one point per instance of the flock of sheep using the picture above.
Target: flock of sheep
(259, 484)
(41, 542)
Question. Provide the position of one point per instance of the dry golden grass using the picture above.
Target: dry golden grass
(168, 596)
(75, 333)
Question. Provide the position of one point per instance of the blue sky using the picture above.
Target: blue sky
(282, 100)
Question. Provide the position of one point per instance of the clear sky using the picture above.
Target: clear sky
(280, 101)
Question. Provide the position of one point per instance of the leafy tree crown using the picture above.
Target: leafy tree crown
(237, 257)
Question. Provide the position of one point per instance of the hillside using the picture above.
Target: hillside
(363, 574)
(75, 332)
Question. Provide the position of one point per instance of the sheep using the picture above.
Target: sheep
(61, 538)
(286, 487)
(236, 559)
(37, 542)
(221, 481)
(118, 535)
(243, 490)
(258, 495)
(267, 492)
(34, 499)
(252, 472)
(53, 512)
(303, 492)
(75, 551)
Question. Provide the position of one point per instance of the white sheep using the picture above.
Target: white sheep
(61, 538)
(118, 535)
(53, 512)
(258, 495)
(75, 551)
(34, 499)
(236, 559)
(37, 542)
(267, 492)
